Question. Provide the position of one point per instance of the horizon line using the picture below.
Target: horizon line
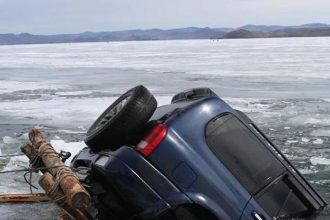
(165, 29)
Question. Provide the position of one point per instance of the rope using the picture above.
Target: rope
(11, 155)
(36, 161)
(35, 169)
(63, 171)
(53, 193)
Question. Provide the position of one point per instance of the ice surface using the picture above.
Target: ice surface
(321, 119)
(61, 112)
(282, 84)
(321, 133)
(58, 111)
(213, 57)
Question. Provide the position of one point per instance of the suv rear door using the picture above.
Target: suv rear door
(262, 170)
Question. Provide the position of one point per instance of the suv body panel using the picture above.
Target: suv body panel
(184, 170)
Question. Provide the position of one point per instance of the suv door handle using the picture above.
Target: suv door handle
(256, 216)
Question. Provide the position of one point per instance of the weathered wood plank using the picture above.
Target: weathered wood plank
(21, 198)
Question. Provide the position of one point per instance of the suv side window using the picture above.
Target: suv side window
(242, 152)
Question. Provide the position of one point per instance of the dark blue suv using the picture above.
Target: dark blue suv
(196, 158)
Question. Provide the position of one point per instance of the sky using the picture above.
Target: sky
(75, 16)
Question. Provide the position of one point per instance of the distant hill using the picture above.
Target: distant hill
(241, 33)
(270, 28)
(247, 31)
(130, 35)
(288, 32)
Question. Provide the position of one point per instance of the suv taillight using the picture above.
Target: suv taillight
(150, 142)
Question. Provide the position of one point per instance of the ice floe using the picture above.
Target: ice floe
(292, 141)
(9, 140)
(318, 141)
(306, 171)
(320, 161)
(72, 147)
(305, 140)
(17, 162)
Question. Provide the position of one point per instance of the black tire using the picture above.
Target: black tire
(121, 122)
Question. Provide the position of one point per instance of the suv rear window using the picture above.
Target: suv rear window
(242, 152)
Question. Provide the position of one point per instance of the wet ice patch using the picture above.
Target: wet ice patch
(7, 86)
(320, 161)
(312, 121)
(321, 133)
(74, 93)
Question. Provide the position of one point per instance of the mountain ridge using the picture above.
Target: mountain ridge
(246, 31)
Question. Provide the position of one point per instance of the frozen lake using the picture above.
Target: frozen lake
(282, 84)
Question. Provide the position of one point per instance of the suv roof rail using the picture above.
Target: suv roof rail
(193, 94)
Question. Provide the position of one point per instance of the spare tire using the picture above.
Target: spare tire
(122, 121)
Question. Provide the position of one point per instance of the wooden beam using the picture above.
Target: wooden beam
(22, 198)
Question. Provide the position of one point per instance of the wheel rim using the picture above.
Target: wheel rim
(112, 113)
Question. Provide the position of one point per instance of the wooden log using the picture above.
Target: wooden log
(32, 154)
(29, 151)
(76, 194)
(46, 181)
(28, 198)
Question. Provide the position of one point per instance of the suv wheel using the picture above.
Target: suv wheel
(120, 123)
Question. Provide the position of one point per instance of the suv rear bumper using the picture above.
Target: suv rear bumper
(135, 179)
